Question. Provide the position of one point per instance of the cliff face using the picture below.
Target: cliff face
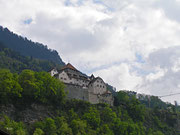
(29, 115)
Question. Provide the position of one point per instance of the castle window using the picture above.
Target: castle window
(97, 85)
(64, 78)
(61, 78)
(103, 86)
(100, 86)
(97, 81)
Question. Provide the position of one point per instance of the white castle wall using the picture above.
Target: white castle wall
(53, 72)
(95, 92)
(64, 77)
(98, 87)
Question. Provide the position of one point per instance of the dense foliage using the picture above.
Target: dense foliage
(27, 47)
(75, 117)
(16, 63)
(29, 87)
(151, 101)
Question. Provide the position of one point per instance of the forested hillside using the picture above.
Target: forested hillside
(151, 101)
(27, 47)
(35, 103)
(12, 60)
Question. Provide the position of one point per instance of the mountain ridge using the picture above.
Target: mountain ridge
(27, 47)
(15, 62)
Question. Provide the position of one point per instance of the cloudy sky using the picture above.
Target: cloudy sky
(131, 44)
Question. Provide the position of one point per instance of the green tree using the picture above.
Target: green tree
(121, 98)
(38, 131)
(27, 81)
(65, 129)
(49, 126)
(120, 127)
(20, 132)
(72, 115)
(51, 89)
(78, 127)
(12, 127)
(92, 117)
(107, 115)
(105, 130)
(41, 87)
(9, 86)
(136, 110)
(62, 126)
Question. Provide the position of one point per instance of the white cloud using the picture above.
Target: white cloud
(120, 75)
(176, 67)
(154, 76)
(124, 41)
(163, 73)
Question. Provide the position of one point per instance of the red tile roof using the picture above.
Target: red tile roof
(69, 66)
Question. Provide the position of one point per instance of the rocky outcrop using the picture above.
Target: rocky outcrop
(28, 115)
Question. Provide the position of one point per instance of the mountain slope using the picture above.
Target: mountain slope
(27, 47)
(15, 62)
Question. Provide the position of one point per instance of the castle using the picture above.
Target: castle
(83, 87)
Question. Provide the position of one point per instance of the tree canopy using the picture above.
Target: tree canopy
(128, 116)
(30, 86)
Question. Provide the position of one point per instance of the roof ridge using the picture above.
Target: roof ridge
(70, 67)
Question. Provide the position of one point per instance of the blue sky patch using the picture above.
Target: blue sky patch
(102, 3)
(80, 2)
(28, 21)
(69, 3)
(139, 58)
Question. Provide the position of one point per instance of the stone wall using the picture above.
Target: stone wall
(93, 98)
(76, 92)
(106, 98)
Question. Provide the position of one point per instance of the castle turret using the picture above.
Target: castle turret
(92, 77)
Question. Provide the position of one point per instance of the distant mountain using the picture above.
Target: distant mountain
(15, 62)
(27, 47)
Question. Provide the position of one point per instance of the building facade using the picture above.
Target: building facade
(83, 87)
